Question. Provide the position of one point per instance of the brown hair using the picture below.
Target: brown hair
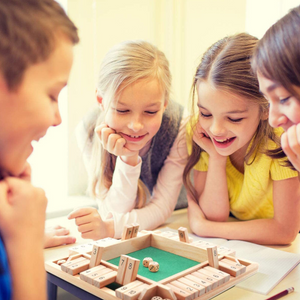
(123, 65)
(226, 65)
(28, 35)
(277, 55)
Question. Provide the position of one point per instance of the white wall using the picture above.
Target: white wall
(182, 29)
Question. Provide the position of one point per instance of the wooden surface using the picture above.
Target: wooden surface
(179, 219)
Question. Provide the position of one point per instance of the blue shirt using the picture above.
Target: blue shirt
(5, 277)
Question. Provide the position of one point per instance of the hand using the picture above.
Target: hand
(290, 143)
(22, 212)
(115, 144)
(57, 236)
(90, 224)
(202, 139)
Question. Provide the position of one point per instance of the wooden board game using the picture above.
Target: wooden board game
(106, 269)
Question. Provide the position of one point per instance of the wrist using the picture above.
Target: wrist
(110, 227)
(131, 160)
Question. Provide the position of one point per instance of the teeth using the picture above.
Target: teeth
(134, 136)
(222, 141)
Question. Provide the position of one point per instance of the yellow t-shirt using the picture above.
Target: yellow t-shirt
(250, 194)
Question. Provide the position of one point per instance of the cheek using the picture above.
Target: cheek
(154, 125)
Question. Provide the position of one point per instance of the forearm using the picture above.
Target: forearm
(260, 231)
(27, 258)
(122, 194)
(214, 200)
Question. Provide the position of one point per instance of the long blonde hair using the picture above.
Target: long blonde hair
(227, 65)
(123, 65)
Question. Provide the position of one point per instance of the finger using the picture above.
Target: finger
(85, 227)
(90, 235)
(293, 140)
(285, 145)
(99, 128)
(114, 141)
(79, 212)
(119, 146)
(62, 231)
(61, 240)
(105, 133)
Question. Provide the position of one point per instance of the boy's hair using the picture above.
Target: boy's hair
(277, 55)
(123, 65)
(28, 35)
(226, 65)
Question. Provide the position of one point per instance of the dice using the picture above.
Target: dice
(156, 298)
(146, 261)
(153, 266)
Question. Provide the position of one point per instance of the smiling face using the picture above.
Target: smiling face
(137, 113)
(284, 108)
(27, 113)
(228, 119)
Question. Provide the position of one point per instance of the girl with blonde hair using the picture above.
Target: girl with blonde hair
(135, 150)
(234, 153)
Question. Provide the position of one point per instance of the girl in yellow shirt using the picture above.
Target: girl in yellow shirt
(238, 164)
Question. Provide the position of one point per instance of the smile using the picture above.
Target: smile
(133, 138)
(223, 143)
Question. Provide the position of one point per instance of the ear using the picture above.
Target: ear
(166, 104)
(99, 100)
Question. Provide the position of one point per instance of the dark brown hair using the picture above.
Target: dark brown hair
(227, 66)
(28, 35)
(277, 55)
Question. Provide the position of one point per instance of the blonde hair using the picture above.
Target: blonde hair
(28, 35)
(227, 66)
(123, 65)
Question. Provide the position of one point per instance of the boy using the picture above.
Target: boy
(36, 43)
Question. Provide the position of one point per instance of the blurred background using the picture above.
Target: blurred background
(182, 29)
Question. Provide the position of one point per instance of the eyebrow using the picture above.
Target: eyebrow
(237, 111)
(150, 105)
(271, 87)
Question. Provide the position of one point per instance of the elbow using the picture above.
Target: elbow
(287, 236)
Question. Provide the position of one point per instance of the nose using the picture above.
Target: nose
(57, 117)
(276, 118)
(136, 124)
(216, 128)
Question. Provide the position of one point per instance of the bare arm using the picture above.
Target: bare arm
(282, 229)
(211, 186)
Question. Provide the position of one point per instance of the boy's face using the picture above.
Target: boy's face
(27, 113)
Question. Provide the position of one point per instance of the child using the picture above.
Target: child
(236, 172)
(276, 62)
(138, 146)
(36, 42)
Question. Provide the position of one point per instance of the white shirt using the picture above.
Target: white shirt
(120, 200)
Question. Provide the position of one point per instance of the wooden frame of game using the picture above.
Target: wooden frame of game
(87, 267)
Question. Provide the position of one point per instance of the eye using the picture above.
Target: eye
(122, 111)
(205, 115)
(283, 101)
(236, 120)
(151, 112)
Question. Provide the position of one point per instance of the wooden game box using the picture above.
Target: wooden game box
(188, 270)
